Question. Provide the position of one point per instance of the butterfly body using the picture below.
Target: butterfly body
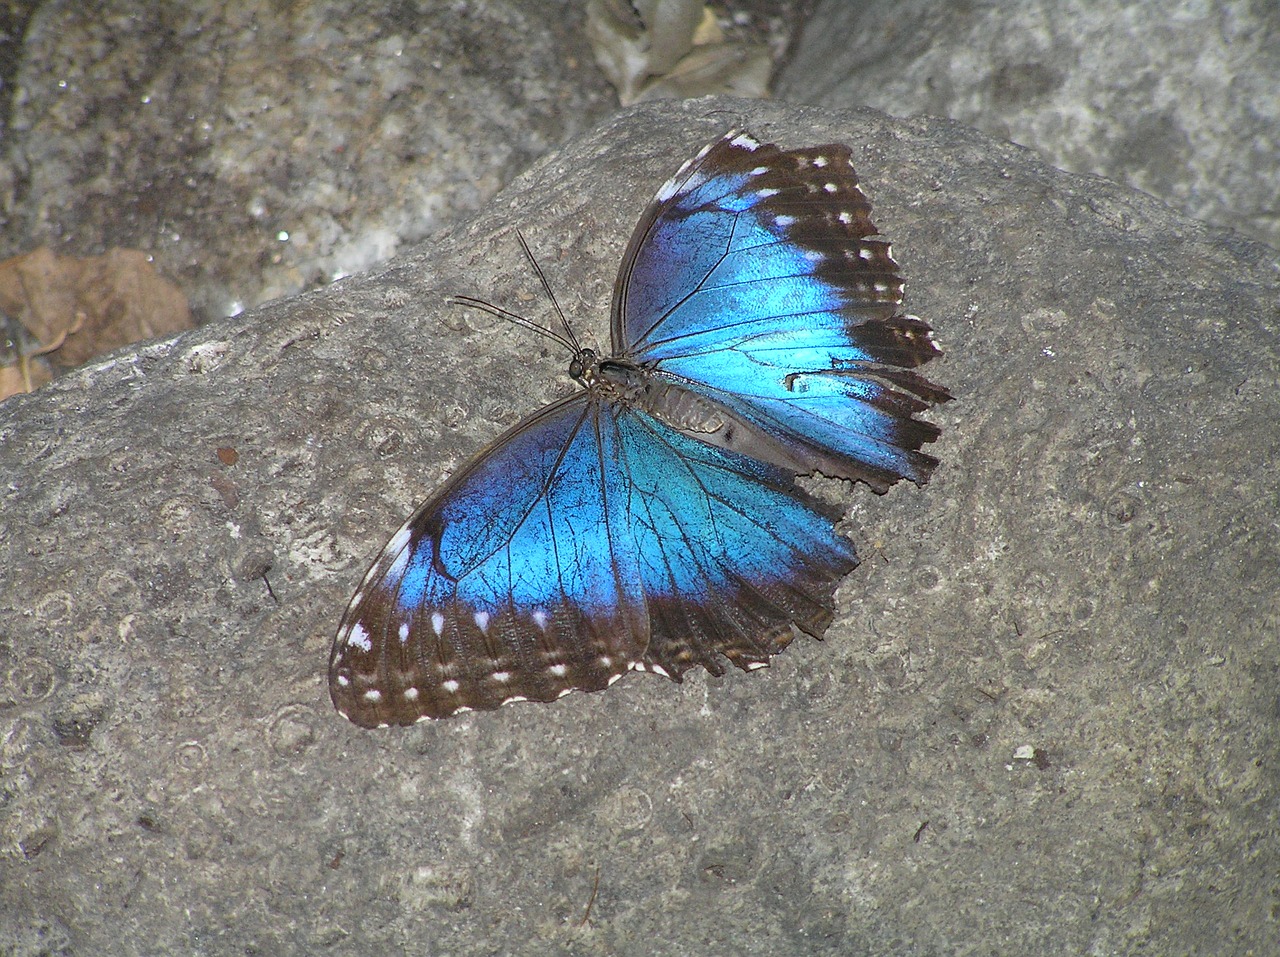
(652, 521)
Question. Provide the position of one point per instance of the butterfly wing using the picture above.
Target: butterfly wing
(756, 279)
(730, 551)
(504, 585)
(590, 539)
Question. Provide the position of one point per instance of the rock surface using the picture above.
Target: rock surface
(1180, 100)
(1044, 721)
(258, 151)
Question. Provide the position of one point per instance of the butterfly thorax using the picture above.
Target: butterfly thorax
(622, 380)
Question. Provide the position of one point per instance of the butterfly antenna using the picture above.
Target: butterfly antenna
(546, 287)
(569, 341)
(514, 317)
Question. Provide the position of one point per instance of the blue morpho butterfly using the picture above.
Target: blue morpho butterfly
(652, 522)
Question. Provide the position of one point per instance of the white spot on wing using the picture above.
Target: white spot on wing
(540, 618)
(395, 569)
(481, 619)
(766, 193)
(681, 182)
(410, 694)
(404, 632)
(820, 161)
(373, 694)
(668, 189)
(613, 678)
(558, 670)
(398, 541)
(502, 677)
(437, 623)
(357, 637)
(451, 686)
(343, 681)
(830, 188)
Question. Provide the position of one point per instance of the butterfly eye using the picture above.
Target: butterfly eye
(581, 366)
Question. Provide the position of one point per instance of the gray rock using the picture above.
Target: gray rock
(1180, 100)
(257, 151)
(1044, 721)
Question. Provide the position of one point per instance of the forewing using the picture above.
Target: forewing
(508, 584)
(756, 278)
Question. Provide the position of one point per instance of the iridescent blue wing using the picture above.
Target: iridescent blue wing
(589, 540)
(756, 279)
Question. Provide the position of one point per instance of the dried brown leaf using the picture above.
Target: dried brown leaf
(97, 303)
(23, 376)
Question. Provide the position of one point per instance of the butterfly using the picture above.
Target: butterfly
(652, 520)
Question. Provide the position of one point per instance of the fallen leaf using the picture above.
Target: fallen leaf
(96, 304)
(23, 376)
(654, 49)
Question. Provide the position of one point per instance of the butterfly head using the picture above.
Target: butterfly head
(584, 367)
